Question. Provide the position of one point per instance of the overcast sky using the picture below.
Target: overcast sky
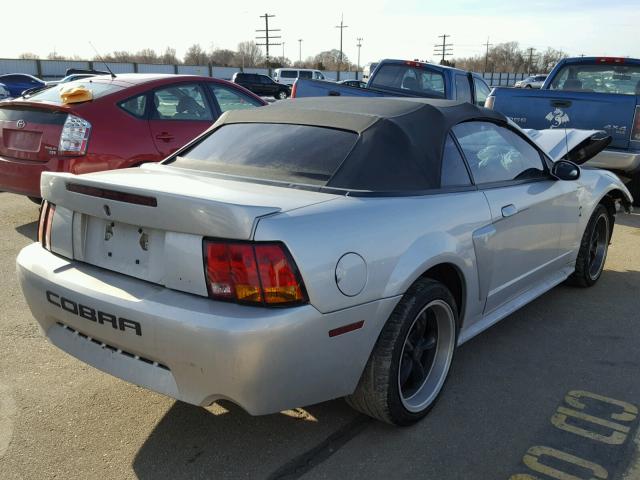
(389, 28)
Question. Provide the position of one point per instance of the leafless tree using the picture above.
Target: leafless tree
(330, 59)
(169, 57)
(196, 55)
(250, 54)
(223, 57)
(509, 57)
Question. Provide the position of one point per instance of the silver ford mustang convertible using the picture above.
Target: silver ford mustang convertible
(315, 249)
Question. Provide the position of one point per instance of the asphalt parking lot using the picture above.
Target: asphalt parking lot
(550, 392)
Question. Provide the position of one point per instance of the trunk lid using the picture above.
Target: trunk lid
(149, 222)
(30, 131)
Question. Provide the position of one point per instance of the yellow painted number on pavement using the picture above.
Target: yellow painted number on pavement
(533, 460)
(618, 433)
(628, 414)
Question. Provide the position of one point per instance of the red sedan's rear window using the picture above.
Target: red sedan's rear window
(98, 89)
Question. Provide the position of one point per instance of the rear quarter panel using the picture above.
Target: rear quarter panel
(398, 237)
(117, 140)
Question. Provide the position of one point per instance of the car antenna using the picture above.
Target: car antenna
(113, 75)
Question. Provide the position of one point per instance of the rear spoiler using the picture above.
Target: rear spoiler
(75, 71)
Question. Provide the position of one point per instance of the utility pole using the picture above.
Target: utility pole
(445, 49)
(342, 26)
(267, 37)
(300, 50)
(359, 45)
(486, 55)
(283, 54)
(530, 64)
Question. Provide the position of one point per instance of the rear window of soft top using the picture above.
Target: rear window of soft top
(299, 154)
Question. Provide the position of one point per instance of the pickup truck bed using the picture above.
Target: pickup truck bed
(404, 78)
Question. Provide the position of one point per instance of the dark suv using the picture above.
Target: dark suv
(261, 85)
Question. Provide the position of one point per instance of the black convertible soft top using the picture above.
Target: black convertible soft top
(401, 140)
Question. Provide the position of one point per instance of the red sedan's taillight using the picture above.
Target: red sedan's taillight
(294, 90)
(635, 131)
(252, 273)
(74, 137)
(47, 211)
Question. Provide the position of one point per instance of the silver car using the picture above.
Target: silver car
(535, 81)
(316, 248)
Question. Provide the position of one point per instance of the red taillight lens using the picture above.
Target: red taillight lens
(294, 90)
(279, 277)
(254, 273)
(635, 131)
(47, 211)
(613, 60)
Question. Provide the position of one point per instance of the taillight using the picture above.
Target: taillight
(614, 60)
(75, 136)
(252, 273)
(635, 131)
(294, 90)
(47, 211)
(414, 64)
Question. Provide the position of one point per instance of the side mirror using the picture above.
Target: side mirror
(565, 170)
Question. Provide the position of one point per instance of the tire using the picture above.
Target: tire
(528, 86)
(391, 388)
(36, 200)
(281, 95)
(593, 249)
(634, 188)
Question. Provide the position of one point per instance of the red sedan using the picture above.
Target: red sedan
(123, 122)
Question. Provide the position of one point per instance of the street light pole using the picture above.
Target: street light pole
(342, 26)
(300, 50)
(358, 45)
(283, 54)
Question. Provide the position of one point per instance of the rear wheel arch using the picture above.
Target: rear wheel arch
(451, 277)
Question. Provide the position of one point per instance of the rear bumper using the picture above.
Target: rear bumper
(195, 349)
(23, 176)
(627, 161)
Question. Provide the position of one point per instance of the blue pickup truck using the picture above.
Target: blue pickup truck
(403, 78)
(586, 93)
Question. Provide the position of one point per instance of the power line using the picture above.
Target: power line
(486, 56)
(342, 26)
(445, 49)
(359, 45)
(266, 37)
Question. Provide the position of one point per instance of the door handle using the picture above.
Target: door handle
(165, 136)
(334, 93)
(509, 210)
(561, 103)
